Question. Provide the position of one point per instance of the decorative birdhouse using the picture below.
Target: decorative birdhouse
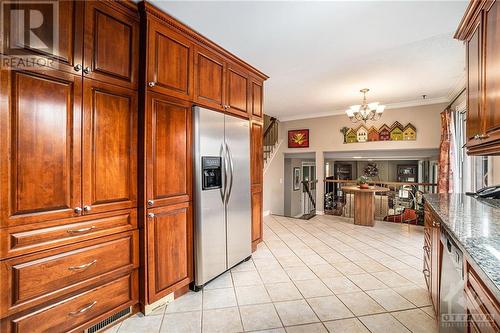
(373, 134)
(396, 131)
(409, 133)
(351, 136)
(362, 133)
(384, 133)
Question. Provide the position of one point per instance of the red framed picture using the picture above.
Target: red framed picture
(298, 138)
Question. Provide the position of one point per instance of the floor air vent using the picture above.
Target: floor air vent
(108, 321)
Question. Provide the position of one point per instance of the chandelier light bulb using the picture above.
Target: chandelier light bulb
(366, 111)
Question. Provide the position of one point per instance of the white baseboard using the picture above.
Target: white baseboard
(266, 213)
(320, 212)
(149, 308)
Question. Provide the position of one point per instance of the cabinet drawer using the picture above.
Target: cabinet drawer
(74, 313)
(26, 239)
(36, 278)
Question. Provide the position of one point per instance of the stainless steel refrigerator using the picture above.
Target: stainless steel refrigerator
(222, 193)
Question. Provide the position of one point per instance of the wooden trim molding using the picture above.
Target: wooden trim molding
(473, 10)
(149, 9)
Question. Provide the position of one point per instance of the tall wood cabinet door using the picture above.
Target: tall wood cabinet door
(474, 101)
(109, 147)
(111, 47)
(170, 249)
(170, 62)
(238, 99)
(256, 91)
(209, 79)
(62, 53)
(492, 69)
(256, 213)
(168, 150)
(257, 152)
(40, 148)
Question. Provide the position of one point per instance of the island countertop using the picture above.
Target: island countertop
(475, 226)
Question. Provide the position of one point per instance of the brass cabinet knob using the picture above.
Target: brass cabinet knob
(152, 84)
(87, 208)
(86, 70)
(78, 67)
(78, 210)
(151, 215)
(150, 202)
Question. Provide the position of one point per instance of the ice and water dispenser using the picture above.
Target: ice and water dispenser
(211, 172)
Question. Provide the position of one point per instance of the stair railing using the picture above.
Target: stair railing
(270, 137)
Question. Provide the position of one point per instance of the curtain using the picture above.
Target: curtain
(447, 153)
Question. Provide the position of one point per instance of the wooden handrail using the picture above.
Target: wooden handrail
(271, 124)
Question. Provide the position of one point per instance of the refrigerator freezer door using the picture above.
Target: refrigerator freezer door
(210, 226)
(238, 210)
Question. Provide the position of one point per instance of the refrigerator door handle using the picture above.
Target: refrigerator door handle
(231, 168)
(222, 155)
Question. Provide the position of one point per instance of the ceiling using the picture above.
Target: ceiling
(319, 54)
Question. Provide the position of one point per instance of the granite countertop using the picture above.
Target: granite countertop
(475, 225)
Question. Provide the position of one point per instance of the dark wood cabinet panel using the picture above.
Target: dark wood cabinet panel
(169, 151)
(257, 151)
(109, 147)
(480, 30)
(256, 90)
(256, 178)
(473, 47)
(492, 69)
(111, 47)
(62, 53)
(64, 270)
(170, 253)
(73, 314)
(26, 239)
(237, 91)
(170, 62)
(41, 149)
(210, 79)
(256, 214)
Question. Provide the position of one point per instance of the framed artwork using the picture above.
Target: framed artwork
(296, 179)
(298, 138)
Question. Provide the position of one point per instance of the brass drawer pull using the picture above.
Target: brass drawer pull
(80, 231)
(82, 267)
(83, 310)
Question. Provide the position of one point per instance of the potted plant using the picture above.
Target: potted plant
(363, 182)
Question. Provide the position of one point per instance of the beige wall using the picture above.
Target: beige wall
(325, 136)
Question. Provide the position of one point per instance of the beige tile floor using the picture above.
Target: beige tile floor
(321, 275)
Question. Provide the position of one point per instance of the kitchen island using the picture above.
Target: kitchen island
(474, 227)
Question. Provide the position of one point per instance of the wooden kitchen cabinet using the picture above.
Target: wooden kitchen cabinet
(109, 161)
(170, 249)
(256, 90)
(237, 91)
(168, 150)
(480, 30)
(210, 79)
(256, 179)
(68, 51)
(170, 61)
(40, 129)
(111, 43)
(432, 255)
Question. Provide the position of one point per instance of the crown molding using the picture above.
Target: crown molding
(419, 102)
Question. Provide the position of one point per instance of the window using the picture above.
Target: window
(473, 172)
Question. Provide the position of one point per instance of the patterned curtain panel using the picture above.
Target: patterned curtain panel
(446, 153)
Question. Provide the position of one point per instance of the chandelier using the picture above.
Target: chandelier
(365, 111)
